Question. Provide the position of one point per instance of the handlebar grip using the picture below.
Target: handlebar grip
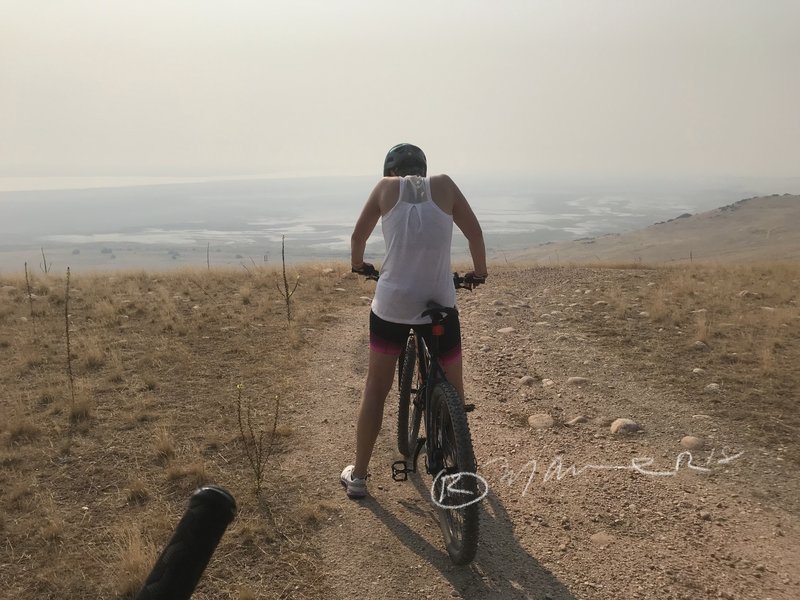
(468, 281)
(369, 271)
(178, 569)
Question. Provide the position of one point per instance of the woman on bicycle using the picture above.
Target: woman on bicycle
(417, 215)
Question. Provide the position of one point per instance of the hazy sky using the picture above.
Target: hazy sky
(246, 87)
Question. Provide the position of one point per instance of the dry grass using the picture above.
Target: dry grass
(149, 366)
(158, 418)
(314, 513)
(80, 409)
(30, 358)
(246, 294)
(164, 445)
(105, 311)
(155, 357)
(22, 431)
(246, 593)
(661, 307)
(116, 370)
(136, 555)
(702, 328)
(189, 476)
(749, 317)
(51, 393)
(766, 361)
(137, 492)
(20, 497)
(91, 354)
(53, 526)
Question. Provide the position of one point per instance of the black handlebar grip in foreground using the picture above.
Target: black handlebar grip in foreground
(178, 569)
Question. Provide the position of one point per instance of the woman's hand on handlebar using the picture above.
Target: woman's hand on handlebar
(471, 280)
(367, 269)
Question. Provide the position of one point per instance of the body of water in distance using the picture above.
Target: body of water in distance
(113, 224)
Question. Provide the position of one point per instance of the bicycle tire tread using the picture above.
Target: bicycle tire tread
(466, 462)
(404, 443)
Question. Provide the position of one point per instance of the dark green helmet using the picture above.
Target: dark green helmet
(405, 159)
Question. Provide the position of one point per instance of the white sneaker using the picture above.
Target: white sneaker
(356, 487)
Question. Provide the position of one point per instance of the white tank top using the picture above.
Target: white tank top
(416, 268)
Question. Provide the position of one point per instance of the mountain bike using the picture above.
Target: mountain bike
(427, 397)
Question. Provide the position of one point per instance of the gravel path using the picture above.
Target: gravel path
(574, 511)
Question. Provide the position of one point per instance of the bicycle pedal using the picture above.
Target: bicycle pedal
(469, 407)
(400, 470)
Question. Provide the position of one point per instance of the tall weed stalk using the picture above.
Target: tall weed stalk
(30, 299)
(44, 264)
(287, 295)
(69, 350)
(255, 449)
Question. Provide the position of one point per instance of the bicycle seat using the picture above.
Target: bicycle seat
(437, 312)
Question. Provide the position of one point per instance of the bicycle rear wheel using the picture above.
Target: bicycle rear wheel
(455, 490)
(408, 413)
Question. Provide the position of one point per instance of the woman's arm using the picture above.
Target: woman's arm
(364, 226)
(467, 222)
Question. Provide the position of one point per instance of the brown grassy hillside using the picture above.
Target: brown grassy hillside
(93, 478)
(755, 229)
(95, 472)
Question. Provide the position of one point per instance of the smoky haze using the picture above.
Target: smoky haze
(170, 88)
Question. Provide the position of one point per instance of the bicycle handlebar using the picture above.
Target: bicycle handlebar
(467, 282)
(178, 569)
(368, 271)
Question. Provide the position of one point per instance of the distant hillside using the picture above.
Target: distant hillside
(754, 229)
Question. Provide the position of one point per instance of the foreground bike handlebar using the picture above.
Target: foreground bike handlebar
(178, 569)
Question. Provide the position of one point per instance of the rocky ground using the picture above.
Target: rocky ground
(680, 502)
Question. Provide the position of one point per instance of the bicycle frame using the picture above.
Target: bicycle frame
(434, 374)
(423, 394)
(449, 452)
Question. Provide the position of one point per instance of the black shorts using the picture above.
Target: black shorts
(390, 338)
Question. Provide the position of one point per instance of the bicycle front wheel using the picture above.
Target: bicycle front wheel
(455, 490)
(408, 414)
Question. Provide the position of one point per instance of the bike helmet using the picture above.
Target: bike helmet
(405, 159)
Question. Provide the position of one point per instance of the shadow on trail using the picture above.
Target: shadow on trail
(502, 568)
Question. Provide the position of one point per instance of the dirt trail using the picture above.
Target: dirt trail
(602, 530)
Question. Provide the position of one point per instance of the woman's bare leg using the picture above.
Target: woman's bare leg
(380, 376)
